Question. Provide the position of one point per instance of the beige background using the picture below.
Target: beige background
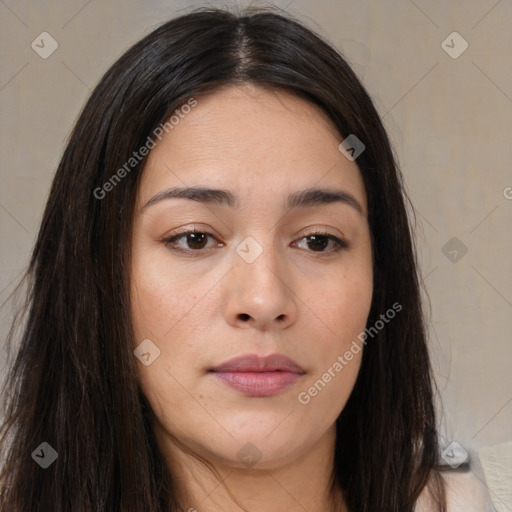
(450, 120)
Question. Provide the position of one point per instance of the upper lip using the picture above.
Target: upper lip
(255, 363)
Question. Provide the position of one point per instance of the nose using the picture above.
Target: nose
(261, 292)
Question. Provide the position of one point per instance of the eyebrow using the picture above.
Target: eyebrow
(220, 197)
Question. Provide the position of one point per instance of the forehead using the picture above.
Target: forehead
(248, 139)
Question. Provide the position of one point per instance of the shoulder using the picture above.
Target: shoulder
(465, 492)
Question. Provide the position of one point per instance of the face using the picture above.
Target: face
(283, 278)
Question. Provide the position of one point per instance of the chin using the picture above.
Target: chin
(262, 449)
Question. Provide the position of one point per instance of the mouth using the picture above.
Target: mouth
(257, 376)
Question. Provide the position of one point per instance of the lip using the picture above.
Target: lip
(258, 376)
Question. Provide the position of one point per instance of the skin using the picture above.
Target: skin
(203, 308)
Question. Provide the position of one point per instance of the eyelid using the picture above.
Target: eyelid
(340, 242)
(183, 232)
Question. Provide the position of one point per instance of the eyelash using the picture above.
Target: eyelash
(341, 244)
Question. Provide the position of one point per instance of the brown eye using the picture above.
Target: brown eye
(189, 241)
(318, 242)
(196, 240)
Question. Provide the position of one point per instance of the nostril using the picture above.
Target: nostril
(244, 316)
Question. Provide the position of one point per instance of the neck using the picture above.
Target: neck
(299, 485)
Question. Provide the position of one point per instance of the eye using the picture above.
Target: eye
(319, 241)
(196, 241)
(190, 241)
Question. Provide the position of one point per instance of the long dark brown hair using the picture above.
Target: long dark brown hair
(73, 380)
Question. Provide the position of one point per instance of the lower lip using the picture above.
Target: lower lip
(258, 384)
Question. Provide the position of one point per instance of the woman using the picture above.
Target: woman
(224, 308)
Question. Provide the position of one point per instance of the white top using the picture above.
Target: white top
(496, 461)
(465, 492)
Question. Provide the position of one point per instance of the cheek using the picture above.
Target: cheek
(344, 312)
(162, 303)
(343, 306)
(324, 396)
(161, 297)
(168, 305)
